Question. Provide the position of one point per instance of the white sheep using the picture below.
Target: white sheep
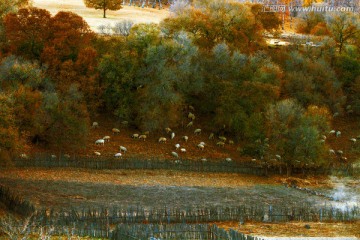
(332, 132)
(177, 161)
(95, 125)
(100, 142)
(254, 159)
(228, 159)
(183, 150)
(204, 160)
(191, 116)
(162, 140)
(118, 155)
(106, 138)
(177, 146)
(172, 135)
(115, 131)
(175, 154)
(185, 138)
(332, 151)
(353, 140)
(336, 114)
(190, 124)
(323, 137)
(146, 133)
(340, 152)
(24, 156)
(222, 138)
(278, 156)
(53, 156)
(135, 135)
(143, 137)
(66, 156)
(231, 142)
(122, 148)
(200, 146)
(220, 144)
(97, 153)
(168, 130)
(197, 131)
(211, 136)
(338, 133)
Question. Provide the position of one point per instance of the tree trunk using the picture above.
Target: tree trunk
(288, 170)
(104, 12)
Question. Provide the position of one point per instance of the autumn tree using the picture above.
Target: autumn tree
(294, 134)
(343, 27)
(104, 5)
(212, 22)
(27, 31)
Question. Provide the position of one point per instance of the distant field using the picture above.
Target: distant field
(94, 17)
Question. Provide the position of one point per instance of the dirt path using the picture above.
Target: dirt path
(94, 17)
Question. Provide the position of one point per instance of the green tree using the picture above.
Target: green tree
(104, 5)
(295, 135)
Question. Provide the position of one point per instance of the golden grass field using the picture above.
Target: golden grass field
(94, 17)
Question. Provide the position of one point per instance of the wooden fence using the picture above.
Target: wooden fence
(154, 163)
(176, 232)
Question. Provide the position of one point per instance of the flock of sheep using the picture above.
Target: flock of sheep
(170, 135)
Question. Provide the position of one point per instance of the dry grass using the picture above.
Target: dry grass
(140, 177)
(94, 17)
(295, 229)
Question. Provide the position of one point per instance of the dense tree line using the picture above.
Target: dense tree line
(55, 74)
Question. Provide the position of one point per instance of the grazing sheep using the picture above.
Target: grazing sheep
(191, 116)
(168, 130)
(115, 131)
(197, 131)
(222, 138)
(135, 135)
(228, 159)
(200, 146)
(24, 156)
(190, 124)
(254, 159)
(146, 133)
(336, 114)
(143, 136)
(278, 156)
(340, 152)
(211, 136)
(106, 138)
(322, 140)
(220, 144)
(100, 142)
(338, 133)
(353, 140)
(332, 132)
(97, 153)
(162, 140)
(67, 156)
(344, 159)
(202, 143)
(122, 148)
(172, 135)
(204, 160)
(332, 151)
(174, 154)
(118, 155)
(53, 156)
(183, 150)
(231, 142)
(185, 138)
(177, 146)
(177, 161)
(95, 125)
(323, 137)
